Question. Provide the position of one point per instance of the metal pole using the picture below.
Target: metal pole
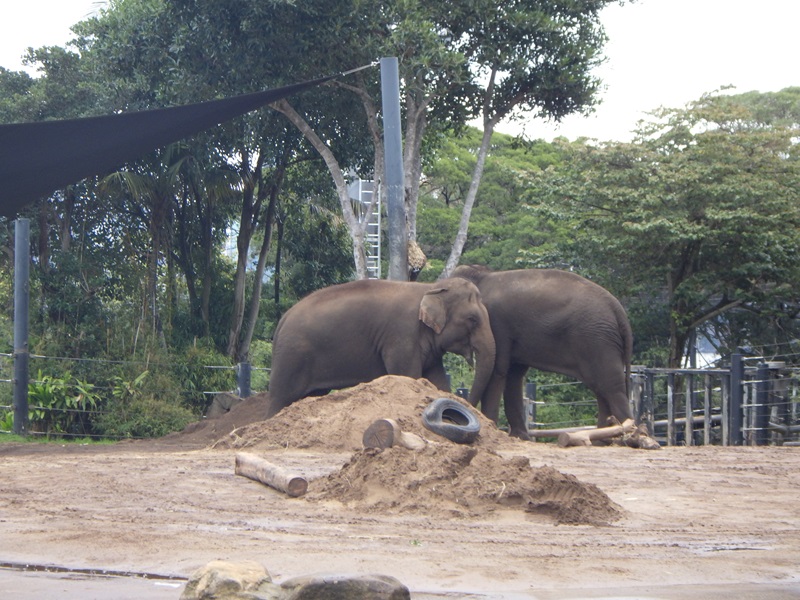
(707, 410)
(243, 379)
(762, 405)
(530, 401)
(22, 261)
(735, 415)
(393, 156)
(688, 411)
(649, 402)
(671, 437)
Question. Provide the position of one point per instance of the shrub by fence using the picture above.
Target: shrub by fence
(116, 399)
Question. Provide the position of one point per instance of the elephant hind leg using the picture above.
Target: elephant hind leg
(513, 402)
(618, 407)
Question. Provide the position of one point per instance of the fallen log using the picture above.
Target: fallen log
(585, 438)
(537, 433)
(256, 468)
(385, 433)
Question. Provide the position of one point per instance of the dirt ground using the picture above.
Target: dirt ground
(498, 519)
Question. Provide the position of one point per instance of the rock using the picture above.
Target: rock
(248, 580)
(222, 405)
(345, 587)
(221, 580)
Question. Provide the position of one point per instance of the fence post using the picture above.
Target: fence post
(648, 402)
(762, 405)
(529, 398)
(707, 410)
(22, 261)
(243, 372)
(671, 409)
(688, 411)
(735, 416)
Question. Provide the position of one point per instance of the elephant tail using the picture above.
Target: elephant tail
(626, 333)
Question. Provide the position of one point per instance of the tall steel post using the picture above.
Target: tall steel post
(735, 414)
(394, 184)
(22, 261)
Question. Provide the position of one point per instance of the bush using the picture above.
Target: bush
(142, 417)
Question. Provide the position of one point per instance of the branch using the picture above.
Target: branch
(722, 307)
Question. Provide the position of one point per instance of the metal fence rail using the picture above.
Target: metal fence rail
(752, 402)
(748, 403)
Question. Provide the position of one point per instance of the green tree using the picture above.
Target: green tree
(701, 212)
(523, 57)
(501, 225)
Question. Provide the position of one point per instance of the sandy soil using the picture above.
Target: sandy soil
(499, 519)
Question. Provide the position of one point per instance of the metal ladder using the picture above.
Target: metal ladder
(361, 191)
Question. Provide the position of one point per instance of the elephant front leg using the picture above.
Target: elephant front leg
(490, 402)
(514, 403)
(437, 376)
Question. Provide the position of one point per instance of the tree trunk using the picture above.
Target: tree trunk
(416, 124)
(258, 281)
(184, 254)
(278, 253)
(469, 201)
(490, 121)
(251, 206)
(357, 230)
(206, 222)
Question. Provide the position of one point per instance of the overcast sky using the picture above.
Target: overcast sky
(660, 53)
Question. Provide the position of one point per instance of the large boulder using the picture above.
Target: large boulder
(221, 580)
(222, 405)
(248, 580)
(345, 587)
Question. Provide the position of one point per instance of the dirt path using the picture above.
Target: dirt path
(694, 523)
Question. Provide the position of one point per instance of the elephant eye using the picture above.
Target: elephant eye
(473, 321)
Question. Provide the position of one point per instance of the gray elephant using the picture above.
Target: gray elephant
(553, 321)
(355, 332)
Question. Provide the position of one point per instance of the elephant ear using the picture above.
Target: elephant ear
(432, 311)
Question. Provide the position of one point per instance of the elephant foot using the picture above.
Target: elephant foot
(523, 435)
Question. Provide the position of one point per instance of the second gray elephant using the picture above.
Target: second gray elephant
(355, 332)
(553, 321)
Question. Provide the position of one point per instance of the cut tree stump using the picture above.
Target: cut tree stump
(256, 468)
(385, 433)
(585, 438)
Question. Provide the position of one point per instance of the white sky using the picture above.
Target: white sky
(660, 53)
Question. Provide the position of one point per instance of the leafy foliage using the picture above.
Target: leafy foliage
(61, 404)
(144, 417)
(701, 212)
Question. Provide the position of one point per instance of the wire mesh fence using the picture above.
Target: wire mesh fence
(760, 405)
(89, 398)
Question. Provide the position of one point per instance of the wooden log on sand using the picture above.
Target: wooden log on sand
(256, 468)
(585, 437)
(554, 433)
(385, 433)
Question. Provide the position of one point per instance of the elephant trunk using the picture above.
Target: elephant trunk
(484, 348)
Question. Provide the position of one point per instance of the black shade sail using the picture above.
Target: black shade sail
(38, 158)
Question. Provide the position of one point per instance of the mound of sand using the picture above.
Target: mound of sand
(337, 422)
(449, 480)
(444, 479)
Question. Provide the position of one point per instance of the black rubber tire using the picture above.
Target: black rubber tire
(451, 419)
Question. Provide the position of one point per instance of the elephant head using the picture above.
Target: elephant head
(453, 310)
